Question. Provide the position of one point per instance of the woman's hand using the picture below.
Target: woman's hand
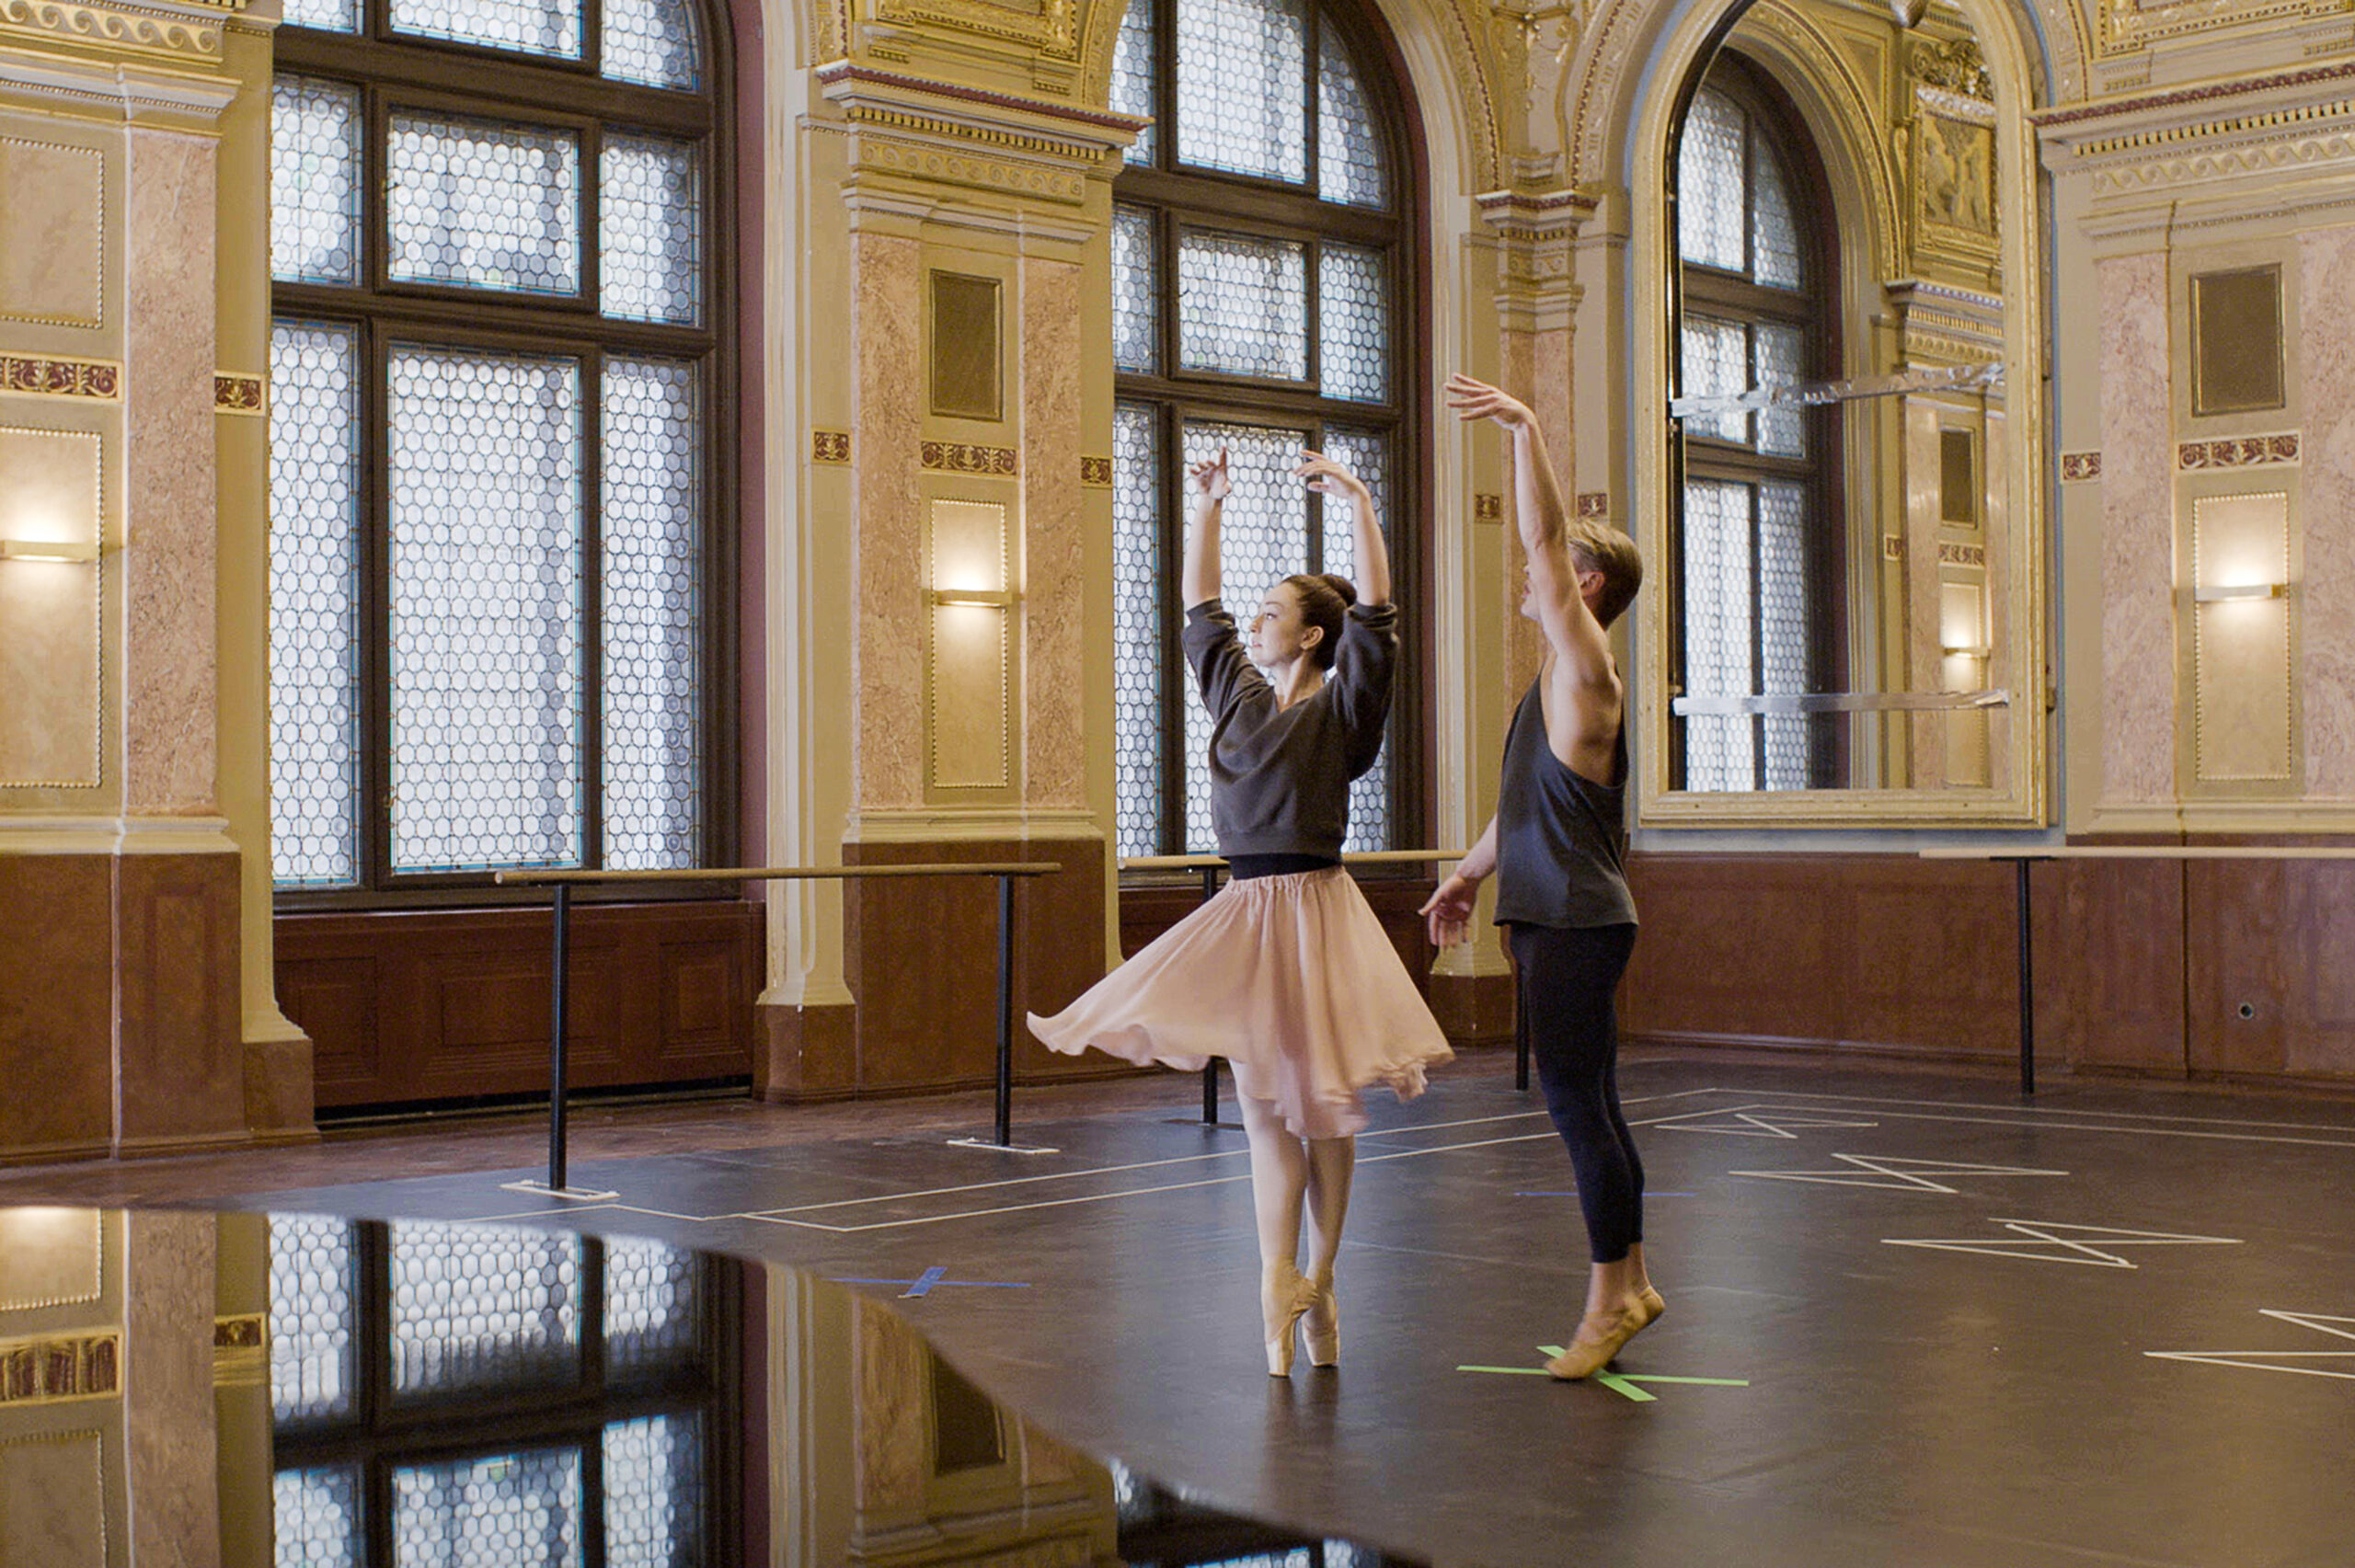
(1208, 481)
(1477, 400)
(1327, 478)
(1450, 909)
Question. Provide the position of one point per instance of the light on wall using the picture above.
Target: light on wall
(46, 550)
(969, 666)
(2215, 593)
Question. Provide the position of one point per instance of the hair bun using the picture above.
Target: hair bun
(1341, 585)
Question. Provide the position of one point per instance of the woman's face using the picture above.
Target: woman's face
(1277, 635)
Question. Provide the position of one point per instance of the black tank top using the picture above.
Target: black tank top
(1561, 838)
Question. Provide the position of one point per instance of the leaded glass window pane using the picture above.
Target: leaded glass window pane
(517, 1510)
(654, 1493)
(1132, 76)
(1719, 750)
(1365, 453)
(485, 525)
(528, 27)
(1353, 324)
(1243, 304)
(651, 42)
(1782, 626)
(314, 1319)
(653, 1306)
(314, 180)
(1710, 208)
(1782, 359)
(1136, 290)
(315, 604)
(1774, 234)
(483, 203)
(475, 1307)
(1242, 70)
(315, 1516)
(325, 15)
(1136, 627)
(1263, 538)
(649, 229)
(652, 613)
(1349, 146)
(1716, 364)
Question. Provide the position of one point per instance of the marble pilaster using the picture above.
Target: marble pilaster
(2324, 597)
(2137, 535)
(1055, 655)
(887, 671)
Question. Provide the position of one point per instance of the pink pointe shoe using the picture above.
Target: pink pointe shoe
(1322, 1327)
(1600, 1337)
(1282, 1307)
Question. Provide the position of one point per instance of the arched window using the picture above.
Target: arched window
(1762, 608)
(1263, 277)
(496, 363)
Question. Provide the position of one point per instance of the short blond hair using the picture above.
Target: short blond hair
(1598, 548)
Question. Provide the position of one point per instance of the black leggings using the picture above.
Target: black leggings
(1565, 981)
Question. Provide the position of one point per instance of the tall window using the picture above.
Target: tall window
(1763, 609)
(1261, 278)
(495, 366)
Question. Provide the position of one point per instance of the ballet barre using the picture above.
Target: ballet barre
(1209, 866)
(2022, 859)
(561, 883)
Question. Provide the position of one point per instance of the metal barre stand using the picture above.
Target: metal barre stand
(1209, 866)
(561, 883)
(2022, 859)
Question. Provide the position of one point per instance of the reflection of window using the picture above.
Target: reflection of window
(494, 366)
(460, 1395)
(1260, 276)
(1761, 609)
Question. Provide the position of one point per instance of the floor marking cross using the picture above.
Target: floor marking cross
(1763, 1122)
(2041, 1243)
(1621, 1383)
(1887, 1171)
(2279, 1360)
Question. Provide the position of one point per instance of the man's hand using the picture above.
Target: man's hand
(1450, 909)
(1327, 478)
(1477, 400)
(1208, 481)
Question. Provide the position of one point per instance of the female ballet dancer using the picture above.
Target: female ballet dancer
(1286, 972)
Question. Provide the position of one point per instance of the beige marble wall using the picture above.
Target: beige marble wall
(167, 1390)
(2325, 593)
(1054, 551)
(2137, 535)
(889, 670)
(169, 674)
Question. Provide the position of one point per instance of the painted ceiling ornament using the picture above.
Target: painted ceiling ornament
(1909, 13)
(1955, 65)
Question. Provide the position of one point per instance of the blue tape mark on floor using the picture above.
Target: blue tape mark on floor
(922, 1285)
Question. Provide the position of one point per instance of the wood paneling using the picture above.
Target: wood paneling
(180, 1053)
(56, 1005)
(418, 1006)
(2269, 989)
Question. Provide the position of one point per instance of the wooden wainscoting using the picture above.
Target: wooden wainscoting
(412, 1006)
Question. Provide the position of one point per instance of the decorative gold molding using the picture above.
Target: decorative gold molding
(917, 161)
(2237, 452)
(236, 394)
(62, 1367)
(1955, 66)
(1952, 555)
(829, 446)
(145, 29)
(2125, 26)
(241, 1351)
(957, 457)
(2076, 467)
(1052, 27)
(24, 375)
(1487, 508)
(1594, 504)
(1095, 473)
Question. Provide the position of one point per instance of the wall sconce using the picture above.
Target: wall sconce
(2217, 594)
(968, 665)
(46, 550)
(2242, 729)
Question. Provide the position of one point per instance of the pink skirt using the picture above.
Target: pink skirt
(1289, 978)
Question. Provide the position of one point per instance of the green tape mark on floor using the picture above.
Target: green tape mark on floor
(1618, 1384)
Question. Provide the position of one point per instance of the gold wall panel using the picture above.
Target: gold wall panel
(50, 635)
(2242, 727)
(967, 380)
(2236, 359)
(52, 266)
(54, 1257)
(968, 678)
(52, 1500)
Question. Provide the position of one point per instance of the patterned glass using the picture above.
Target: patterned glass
(326, 16)
(528, 27)
(1243, 304)
(486, 551)
(1136, 292)
(1781, 626)
(653, 1306)
(1133, 72)
(495, 1510)
(1353, 324)
(654, 1493)
(1365, 453)
(1709, 205)
(1242, 69)
(316, 1514)
(315, 604)
(314, 1317)
(1136, 627)
(649, 229)
(1782, 360)
(652, 617)
(1263, 538)
(1349, 148)
(483, 204)
(315, 177)
(651, 42)
(1774, 234)
(1716, 364)
(1719, 748)
(475, 1307)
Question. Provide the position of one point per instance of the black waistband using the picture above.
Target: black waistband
(1243, 867)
